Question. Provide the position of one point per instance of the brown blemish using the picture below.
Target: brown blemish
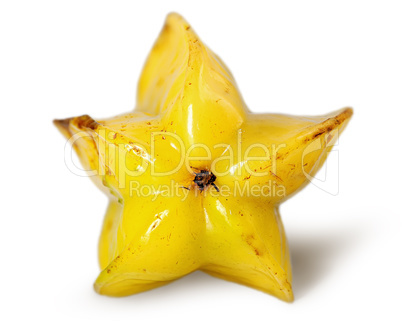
(329, 125)
(329, 138)
(281, 156)
(275, 176)
(86, 122)
(320, 132)
(249, 239)
(138, 151)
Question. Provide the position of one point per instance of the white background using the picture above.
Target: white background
(65, 58)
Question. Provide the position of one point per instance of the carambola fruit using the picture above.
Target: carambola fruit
(194, 177)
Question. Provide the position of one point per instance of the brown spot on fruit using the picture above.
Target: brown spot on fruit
(250, 240)
(327, 125)
(320, 132)
(329, 138)
(275, 176)
(86, 122)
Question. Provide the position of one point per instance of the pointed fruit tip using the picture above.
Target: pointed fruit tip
(174, 16)
(284, 291)
(345, 113)
(288, 296)
(175, 19)
(63, 125)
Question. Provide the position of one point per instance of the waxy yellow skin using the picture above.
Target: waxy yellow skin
(190, 116)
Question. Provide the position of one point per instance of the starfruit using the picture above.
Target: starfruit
(194, 177)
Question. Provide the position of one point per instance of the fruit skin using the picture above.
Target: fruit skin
(186, 96)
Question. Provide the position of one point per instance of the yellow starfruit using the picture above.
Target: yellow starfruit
(194, 177)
